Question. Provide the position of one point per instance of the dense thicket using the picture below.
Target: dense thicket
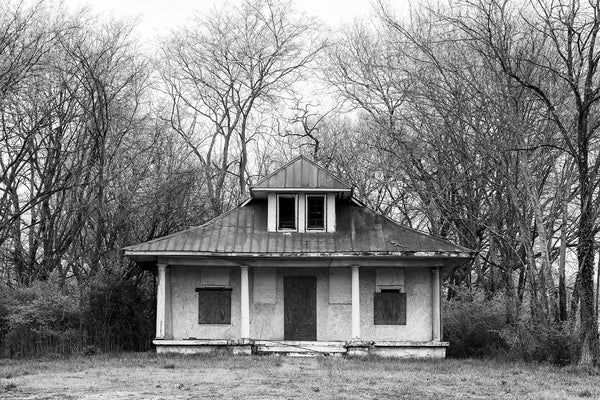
(478, 123)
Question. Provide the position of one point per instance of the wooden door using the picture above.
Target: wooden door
(300, 308)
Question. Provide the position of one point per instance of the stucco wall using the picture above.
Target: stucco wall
(333, 320)
(417, 285)
(184, 306)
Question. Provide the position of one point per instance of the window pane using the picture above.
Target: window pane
(315, 212)
(214, 306)
(390, 308)
(287, 213)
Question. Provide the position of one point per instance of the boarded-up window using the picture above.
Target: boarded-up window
(265, 283)
(214, 305)
(389, 307)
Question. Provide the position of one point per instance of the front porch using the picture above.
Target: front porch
(344, 317)
(392, 349)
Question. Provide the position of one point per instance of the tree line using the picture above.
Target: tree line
(476, 121)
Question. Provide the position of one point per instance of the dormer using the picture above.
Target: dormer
(301, 197)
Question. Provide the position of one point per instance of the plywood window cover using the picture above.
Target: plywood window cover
(324, 198)
(295, 197)
(389, 308)
(207, 316)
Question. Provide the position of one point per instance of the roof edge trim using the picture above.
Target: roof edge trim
(396, 254)
(271, 189)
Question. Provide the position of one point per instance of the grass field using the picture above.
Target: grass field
(149, 376)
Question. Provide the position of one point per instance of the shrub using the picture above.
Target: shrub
(476, 326)
(111, 313)
(473, 324)
(550, 342)
(40, 318)
(119, 314)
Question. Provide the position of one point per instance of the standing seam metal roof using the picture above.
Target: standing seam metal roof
(243, 230)
(301, 173)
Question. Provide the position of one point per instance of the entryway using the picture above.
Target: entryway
(300, 308)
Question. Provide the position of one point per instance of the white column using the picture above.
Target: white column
(436, 304)
(245, 304)
(355, 303)
(161, 309)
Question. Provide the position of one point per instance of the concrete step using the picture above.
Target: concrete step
(300, 349)
(299, 343)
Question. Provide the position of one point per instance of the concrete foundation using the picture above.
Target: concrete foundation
(292, 348)
(408, 352)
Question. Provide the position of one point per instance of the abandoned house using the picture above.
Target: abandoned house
(300, 267)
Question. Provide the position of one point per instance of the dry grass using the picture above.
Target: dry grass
(149, 376)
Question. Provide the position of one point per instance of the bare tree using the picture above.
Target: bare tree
(557, 41)
(219, 71)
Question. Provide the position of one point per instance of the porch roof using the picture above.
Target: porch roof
(242, 232)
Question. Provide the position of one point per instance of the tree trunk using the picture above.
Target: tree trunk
(562, 288)
(585, 255)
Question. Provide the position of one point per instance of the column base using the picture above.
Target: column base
(241, 350)
(358, 348)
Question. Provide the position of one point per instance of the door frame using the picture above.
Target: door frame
(313, 282)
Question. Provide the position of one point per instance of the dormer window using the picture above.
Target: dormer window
(315, 212)
(286, 212)
(301, 197)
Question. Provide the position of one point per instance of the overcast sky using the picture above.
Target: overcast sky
(158, 16)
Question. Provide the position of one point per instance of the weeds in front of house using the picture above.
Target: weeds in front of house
(9, 386)
(334, 366)
(323, 376)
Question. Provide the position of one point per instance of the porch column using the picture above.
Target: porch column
(163, 302)
(436, 304)
(355, 303)
(245, 304)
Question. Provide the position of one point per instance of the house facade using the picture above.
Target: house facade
(300, 267)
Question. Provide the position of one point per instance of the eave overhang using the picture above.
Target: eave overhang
(261, 193)
(446, 261)
(300, 189)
